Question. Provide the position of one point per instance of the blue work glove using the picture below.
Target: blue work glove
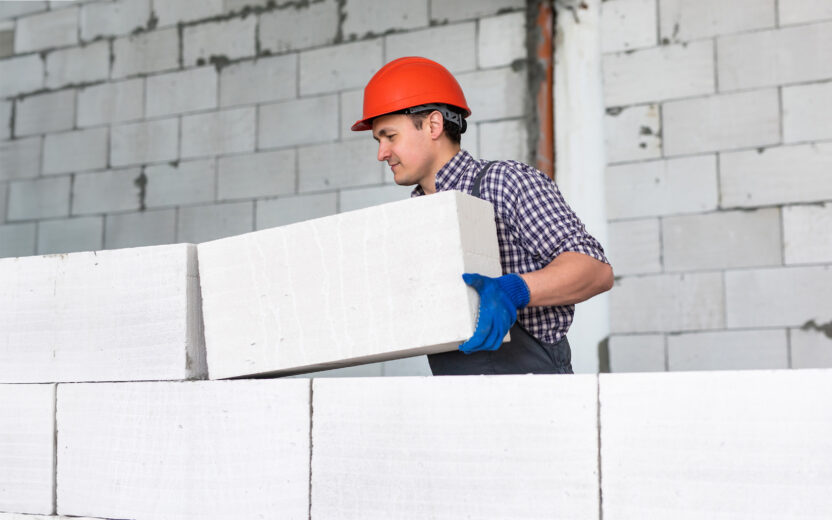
(500, 298)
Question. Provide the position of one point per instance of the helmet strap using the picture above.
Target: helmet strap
(447, 113)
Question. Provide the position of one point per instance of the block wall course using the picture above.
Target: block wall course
(360, 198)
(75, 151)
(667, 303)
(306, 26)
(521, 468)
(299, 121)
(364, 18)
(289, 210)
(338, 165)
(171, 13)
(78, 65)
(69, 236)
(178, 92)
(17, 239)
(198, 224)
(728, 350)
(27, 448)
(113, 18)
(807, 110)
(108, 191)
(256, 175)
(39, 198)
(180, 183)
(637, 353)
(144, 228)
(684, 20)
(664, 187)
(144, 142)
(803, 11)
(497, 93)
(88, 317)
(635, 246)
(20, 158)
(777, 297)
(775, 57)
(811, 348)
(230, 39)
(224, 449)
(723, 240)
(44, 113)
(778, 175)
(341, 67)
(628, 24)
(723, 122)
(633, 133)
(675, 71)
(454, 46)
(806, 234)
(116, 102)
(145, 53)
(267, 334)
(505, 139)
(20, 8)
(442, 11)
(218, 133)
(21, 74)
(259, 81)
(36, 32)
(665, 448)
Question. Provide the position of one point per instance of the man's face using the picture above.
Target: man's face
(404, 147)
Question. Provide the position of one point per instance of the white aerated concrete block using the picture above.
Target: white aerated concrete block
(443, 11)
(127, 314)
(289, 210)
(144, 142)
(497, 93)
(209, 450)
(76, 151)
(5, 119)
(314, 120)
(784, 297)
(658, 73)
(684, 20)
(113, 18)
(44, 113)
(256, 175)
(717, 445)
(21, 74)
(811, 346)
(20, 159)
(15, 9)
(70, 235)
(181, 183)
(728, 350)
(776, 175)
(146, 52)
(39, 198)
(258, 81)
(78, 65)
(628, 24)
(339, 165)
(229, 39)
(186, 91)
(637, 353)
(170, 13)
(106, 192)
(307, 25)
(635, 246)
(454, 46)
(217, 133)
(807, 110)
(363, 17)
(111, 103)
(802, 11)
(806, 238)
(633, 133)
(203, 223)
(502, 40)
(143, 228)
(27, 448)
(57, 28)
(17, 239)
(357, 287)
(455, 447)
(339, 67)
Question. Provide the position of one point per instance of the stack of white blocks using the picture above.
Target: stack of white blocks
(696, 445)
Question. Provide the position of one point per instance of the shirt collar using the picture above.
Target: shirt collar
(449, 176)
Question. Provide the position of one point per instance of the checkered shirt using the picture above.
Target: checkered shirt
(534, 225)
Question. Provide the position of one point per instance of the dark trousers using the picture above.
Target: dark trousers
(524, 354)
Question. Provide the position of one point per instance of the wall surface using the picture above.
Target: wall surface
(719, 196)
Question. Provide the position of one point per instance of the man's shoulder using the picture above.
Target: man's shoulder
(513, 175)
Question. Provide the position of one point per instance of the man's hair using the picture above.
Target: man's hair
(452, 129)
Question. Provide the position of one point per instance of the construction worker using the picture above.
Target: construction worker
(416, 111)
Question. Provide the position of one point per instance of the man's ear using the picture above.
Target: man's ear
(436, 123)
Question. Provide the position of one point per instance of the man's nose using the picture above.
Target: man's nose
(383, 152)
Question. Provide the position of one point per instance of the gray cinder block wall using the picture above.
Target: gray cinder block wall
(719, 150)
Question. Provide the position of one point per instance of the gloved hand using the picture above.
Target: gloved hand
(500, 298)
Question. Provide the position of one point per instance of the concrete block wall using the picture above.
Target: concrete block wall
(718, 193)
(146, 122)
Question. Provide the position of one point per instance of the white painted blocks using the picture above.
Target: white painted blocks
(454, 46)
(218, 133)
(716, 445)
(340, 67)
(806, 236)
(129, 314)
(78, 64)
(144, 142)
(811, 346)
(288, 210)
(146, 52)
(50, 29)
(637, 353)
(230, 39)
(338, 165)
(21, 74)
(20, 159)
(728, 350)
(353, 288)
(635, 246)
(170, 13)
(264, 79)
(44, 113)
(203, 223)
(76, 151)
(633, 133)
(502, 40)
(496, 93)
(308, 25)
(27, 448)
(70, 235)
(683, 20)
(178, 92)
(113, 18)
(628, 24)
(256, 175)
(442, 11)
(314, 120)
(455, 447)
(801, 11)
(363, 17)
(111, 102)
(807, 110)
(210, 450)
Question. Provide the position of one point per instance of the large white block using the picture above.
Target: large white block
(706, 445)
(454, 46)
(314, 120)
(811, 346)
(144, 142)
(494, 93)
(113, 18)
(684, 20)
(339, 165)
(363, 17)
(802, 11)
(455, 447)
(307, 25)
(146, 52)
(807, 110)
(230, 39)
(75, 151)
(628, 24)
(20, 159)
(126, 314)
(27, 448)
(352, 288)
(44, 113)
(111, 102)
(44, 30)
(635, 246)
(637, 353)
(340, 67)
(633, 133)
(185, 91)
(21, 74)
(257, 81)
(442, 11)
(806, 238)
(217, 133)
(209, 450)
(728, 350)
(78, 64)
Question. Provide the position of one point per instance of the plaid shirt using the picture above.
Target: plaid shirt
(534, 225)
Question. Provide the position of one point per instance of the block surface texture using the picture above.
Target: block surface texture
(363, 286)
(27, 448)
(127, 314)
(751, 444)
(184, 450)
(455, 447)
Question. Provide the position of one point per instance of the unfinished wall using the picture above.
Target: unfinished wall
(719, 197)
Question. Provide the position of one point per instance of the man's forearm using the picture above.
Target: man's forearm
(570, 278)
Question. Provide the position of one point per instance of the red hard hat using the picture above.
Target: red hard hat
(408, 82)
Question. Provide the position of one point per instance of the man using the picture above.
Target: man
(417, 112)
